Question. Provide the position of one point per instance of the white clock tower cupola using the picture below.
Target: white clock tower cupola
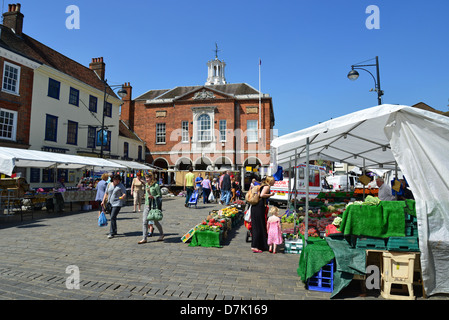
(216, 70)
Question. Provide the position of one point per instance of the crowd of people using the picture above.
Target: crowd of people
(224, 190)
(111, 192)
(265, 221)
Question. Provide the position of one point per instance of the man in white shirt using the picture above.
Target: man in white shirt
(384, 190)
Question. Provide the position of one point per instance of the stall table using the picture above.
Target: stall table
(380, 221)
(82, 196)
(207, 239)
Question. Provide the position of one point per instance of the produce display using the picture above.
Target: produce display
(239, 202)
(369, 201)
(319, 217)
(220, 221)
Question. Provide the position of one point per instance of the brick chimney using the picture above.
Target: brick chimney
(99, 67)
(127, 110)
(13, 19)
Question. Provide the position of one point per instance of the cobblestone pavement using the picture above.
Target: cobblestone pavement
(36, 252)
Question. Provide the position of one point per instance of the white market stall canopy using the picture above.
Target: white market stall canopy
(132, 165)
(13, 157)
(415, 139)
(357, 138)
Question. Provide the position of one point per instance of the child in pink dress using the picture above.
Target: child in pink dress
(274, 229)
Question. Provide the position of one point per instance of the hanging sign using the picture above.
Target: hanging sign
(105, 138)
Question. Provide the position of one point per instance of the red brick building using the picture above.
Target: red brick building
(17, 71)
(210, 127)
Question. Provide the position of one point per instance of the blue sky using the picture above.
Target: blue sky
(306, 48)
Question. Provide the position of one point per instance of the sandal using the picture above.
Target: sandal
(142, 241)
(256, 250)
(161, 238)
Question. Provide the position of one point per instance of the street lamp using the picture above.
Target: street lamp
(122, 93)
(354, 75)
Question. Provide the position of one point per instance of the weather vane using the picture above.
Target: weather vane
(216, 50)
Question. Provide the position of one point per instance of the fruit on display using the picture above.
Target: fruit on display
(218, 220)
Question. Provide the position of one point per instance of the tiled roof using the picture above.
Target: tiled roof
(33, 49)
(230, 89)
(125, 131)
(423, 106)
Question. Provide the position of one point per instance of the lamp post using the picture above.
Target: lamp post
(353, 75)
(122, 93)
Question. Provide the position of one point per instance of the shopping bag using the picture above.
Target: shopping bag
(247, 216)
(155, 214)
(211, 197)
(102, 220)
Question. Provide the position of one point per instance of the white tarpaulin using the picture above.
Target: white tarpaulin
(13, 157)
(415, 139)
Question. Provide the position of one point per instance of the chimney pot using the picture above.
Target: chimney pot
(13, 19)
(99, 67)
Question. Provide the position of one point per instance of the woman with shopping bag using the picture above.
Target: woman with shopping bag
(152, 213)
(115, 195)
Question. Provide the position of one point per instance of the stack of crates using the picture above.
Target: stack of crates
(411, 225)
(410, 241)
(371, 243)
(403, 244)
(293, 246)
(323, 280)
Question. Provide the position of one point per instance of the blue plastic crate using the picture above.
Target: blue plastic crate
(323, 280)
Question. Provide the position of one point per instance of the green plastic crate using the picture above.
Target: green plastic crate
(403, 244)
(293, 246)
(371, 243)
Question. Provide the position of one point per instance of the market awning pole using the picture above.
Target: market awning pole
(55, 176)
(295, 185)
(347, 178)
(395, 175)
(295, 191)
(289, 183)
(363, 174)
(306, 231)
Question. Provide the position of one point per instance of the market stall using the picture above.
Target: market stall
(391, 137)
(12, 157)
(214, 228)
(368, 229)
